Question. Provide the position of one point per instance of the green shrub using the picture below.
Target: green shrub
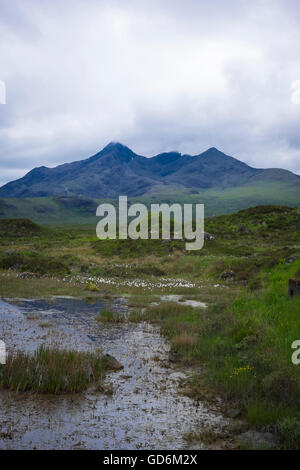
(33, 262)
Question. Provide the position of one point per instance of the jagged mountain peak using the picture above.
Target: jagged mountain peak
(116, 170)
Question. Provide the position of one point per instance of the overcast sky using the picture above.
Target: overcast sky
(157, 76)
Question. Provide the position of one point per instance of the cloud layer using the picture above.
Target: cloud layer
(154, 75)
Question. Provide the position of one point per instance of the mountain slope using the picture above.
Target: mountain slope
(117, 170)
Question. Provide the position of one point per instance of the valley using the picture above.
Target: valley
(222, 316)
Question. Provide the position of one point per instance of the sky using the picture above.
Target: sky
(154, 75)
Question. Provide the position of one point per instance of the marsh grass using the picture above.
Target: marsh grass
(53, 371)
(247, 351)
(260, 413)
(142, 300)
(12, 287)
(244, 341)
(289, 430)
(184, 341)
(180, 323)
(109, 316)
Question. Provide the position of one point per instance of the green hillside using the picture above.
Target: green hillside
(80, 210)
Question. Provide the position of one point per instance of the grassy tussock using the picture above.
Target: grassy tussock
(108, 316)
(52, 371)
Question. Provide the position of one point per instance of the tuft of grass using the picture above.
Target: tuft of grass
(45, 324)
(141, 300)
(184, 341)
(108, 316)
(52, 371)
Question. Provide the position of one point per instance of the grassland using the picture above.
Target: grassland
(243, 339)
(81, 210)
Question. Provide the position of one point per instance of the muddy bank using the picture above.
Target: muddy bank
(145, 411)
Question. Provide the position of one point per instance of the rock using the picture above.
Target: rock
(112, 363)
(227, 275)
(208, 236)
(175, 356)
(294, 287)
(258, 440)
(28, 275)
(177, 376)
(292, 258)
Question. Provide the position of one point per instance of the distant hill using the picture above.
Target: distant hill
(116, 170)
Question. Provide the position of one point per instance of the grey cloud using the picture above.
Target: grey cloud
(157, 76)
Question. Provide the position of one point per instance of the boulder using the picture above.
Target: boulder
(112, 363)
(292, 258)
(208, 236)
(227, 275)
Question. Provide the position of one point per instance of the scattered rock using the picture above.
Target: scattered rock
(112, 363)
(227, 275)
(28, 275)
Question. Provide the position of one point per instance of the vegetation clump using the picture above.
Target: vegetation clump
(108, 316)
(33, 262)
(52, 371)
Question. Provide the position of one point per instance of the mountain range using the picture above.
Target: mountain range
(70, 193)
(117, 170)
